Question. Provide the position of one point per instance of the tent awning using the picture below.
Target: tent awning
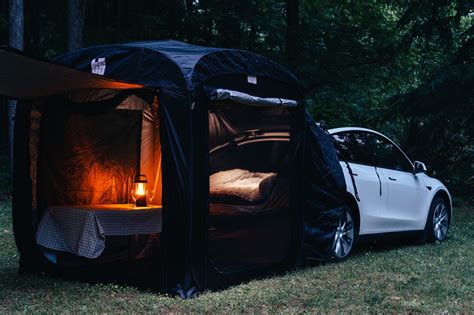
(25, 78)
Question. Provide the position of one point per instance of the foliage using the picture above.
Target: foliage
(380, 64)
(436, 116)
(438, 120)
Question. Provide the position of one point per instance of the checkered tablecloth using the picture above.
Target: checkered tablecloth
(81, 230)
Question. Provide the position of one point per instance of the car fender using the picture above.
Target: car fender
(436, 187)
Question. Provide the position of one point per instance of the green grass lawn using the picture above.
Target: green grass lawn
(402, 278)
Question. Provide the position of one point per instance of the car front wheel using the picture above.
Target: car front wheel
(438, 221)
(344, 237)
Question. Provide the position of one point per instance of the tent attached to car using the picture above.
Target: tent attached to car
(240, 181)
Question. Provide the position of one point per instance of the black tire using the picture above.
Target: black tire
(341, 251)
(438, 221)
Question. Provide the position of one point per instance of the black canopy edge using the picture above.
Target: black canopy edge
(26, 78)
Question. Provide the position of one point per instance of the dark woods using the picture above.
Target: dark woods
(402, 67)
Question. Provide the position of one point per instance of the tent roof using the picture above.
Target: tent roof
(169, 64)
(184, 55)
(157, 63)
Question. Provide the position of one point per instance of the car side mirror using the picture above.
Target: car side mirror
(419, 167)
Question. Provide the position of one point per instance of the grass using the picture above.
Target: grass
(430, 278)
(405, 278)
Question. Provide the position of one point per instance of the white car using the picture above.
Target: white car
(386, 192)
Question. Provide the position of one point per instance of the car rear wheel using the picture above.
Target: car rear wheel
(438, 221)
(344, 237)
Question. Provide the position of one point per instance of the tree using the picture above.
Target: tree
(175, 11)
(16, 29)
(75, 23)
(401, 67)
(437, 115)
(292, 18)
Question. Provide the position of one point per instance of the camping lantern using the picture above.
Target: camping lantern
(139, 190)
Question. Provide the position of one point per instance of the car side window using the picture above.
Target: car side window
(388, 155)
(352, 147)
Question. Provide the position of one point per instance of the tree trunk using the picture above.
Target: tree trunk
(75, 22)
(292, 23)
(175, 13)
(16, 40)
(189, 31)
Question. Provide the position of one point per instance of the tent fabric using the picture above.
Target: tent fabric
(325, 190)
(173, 82)
(81, 162)
(150, 155)
(178, 72)
(220, 129)
(25, 78)
(263, 247)
(180, 64)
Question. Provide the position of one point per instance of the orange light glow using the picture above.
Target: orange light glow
(141, 189)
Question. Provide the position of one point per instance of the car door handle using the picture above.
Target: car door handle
(391, 178)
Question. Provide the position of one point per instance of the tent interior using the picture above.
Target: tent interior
(87, 147)
(249, 208)
(85, 150)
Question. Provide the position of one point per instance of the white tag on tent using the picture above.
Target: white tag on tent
(252, 79)
(98, 66)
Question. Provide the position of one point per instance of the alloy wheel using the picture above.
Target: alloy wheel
(344, 237)
(440, 221)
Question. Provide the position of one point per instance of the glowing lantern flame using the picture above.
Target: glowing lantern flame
(141, 189)
(139, 192)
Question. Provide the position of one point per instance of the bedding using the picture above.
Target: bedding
(243, 184)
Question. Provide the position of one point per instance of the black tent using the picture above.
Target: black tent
(246, 182)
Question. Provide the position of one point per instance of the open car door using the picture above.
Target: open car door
(25, 78)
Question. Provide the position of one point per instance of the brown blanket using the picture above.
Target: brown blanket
(243, 184)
